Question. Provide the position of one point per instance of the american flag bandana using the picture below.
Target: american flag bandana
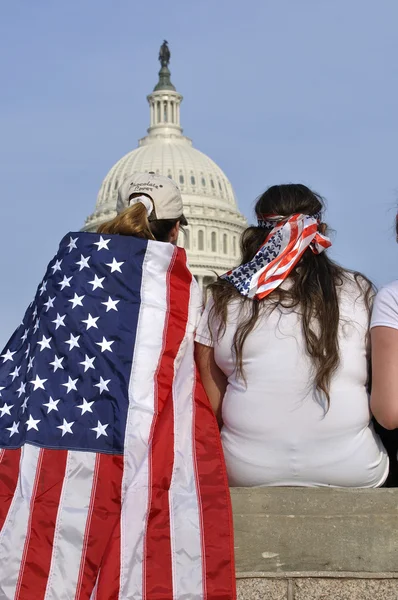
(112, 480)
(285, 245)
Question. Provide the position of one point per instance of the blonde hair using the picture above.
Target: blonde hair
(132, 221)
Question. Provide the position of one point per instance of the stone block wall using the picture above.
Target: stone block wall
(316, 544)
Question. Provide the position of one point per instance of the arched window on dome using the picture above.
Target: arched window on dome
(109, 187)
(116, 184)
(213, 241)
(165, 119)
(225, 243)
(203, 182)
(181, 178)
(234, 245)
(201, 240)
(187, 239)
(193, 181)
(158, 111)
(212, 183)
(172, 111)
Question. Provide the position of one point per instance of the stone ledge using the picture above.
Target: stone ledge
(314, 531)
(317, 589)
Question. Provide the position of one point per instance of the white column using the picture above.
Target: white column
(178, 114)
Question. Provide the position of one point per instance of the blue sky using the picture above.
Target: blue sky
(273, 91)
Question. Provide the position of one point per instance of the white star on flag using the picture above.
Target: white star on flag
(110, 304)
(70, 385)
(27, 351)
(15, 373)
(86, 406)
(73, 341)
(76, 300)
(31, 423)
(43, 288)
(66, 427)
(7, 356)
(115, 266)
(90, 322)
(102, 385)
(36, 326)
(44, 343)
(25, 404)
(59, 321)
(97, 282)
(25, 335)
(22, 389)
(56, 266)
(100, 429)
(34, 314)
(102, 243)
(83, 262)
(1, 388)
(105, 345)
(30, 365)
(49, 304)
(13, 429)
(6, 409)
(65, 282)
(57, 363)
(51, 405)
(72, 243)
(38, 383)
(88, 363)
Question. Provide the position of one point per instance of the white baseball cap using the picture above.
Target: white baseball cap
(163, 192)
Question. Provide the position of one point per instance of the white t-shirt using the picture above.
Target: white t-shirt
(385, 308)
(276, 431)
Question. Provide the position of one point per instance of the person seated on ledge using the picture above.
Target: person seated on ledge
(384, 335)
(282, 348)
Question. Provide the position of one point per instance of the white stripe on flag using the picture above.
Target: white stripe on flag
(94, 592)
(183, 495)
(12, 537)
(148, 347)
(70, 526)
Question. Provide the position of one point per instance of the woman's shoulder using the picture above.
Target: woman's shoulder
(356, 286)
(385, 308)
(390, 290)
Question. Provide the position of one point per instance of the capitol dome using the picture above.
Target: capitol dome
(214, 226)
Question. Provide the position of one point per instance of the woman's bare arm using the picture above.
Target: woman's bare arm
(213, 379)
(384, 397)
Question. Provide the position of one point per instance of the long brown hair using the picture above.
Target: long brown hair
(313, 291)
(134, 221)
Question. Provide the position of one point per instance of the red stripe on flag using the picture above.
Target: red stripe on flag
(102, 522)
(9, 471)
(36, 560)
(158, 583)
(215, 503)
(109, 576)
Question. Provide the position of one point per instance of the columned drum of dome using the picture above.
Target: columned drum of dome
(215, 223)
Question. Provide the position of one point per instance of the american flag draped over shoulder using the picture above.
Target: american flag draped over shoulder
(112, 482)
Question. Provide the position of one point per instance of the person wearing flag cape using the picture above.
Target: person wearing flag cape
(112, 480)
